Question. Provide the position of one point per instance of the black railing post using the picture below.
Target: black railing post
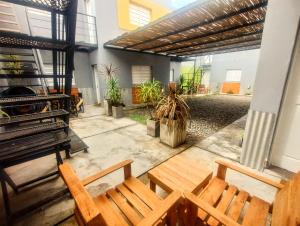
(54, 52)
(70, 37)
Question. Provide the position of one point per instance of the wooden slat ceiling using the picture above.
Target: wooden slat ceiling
(215, 26)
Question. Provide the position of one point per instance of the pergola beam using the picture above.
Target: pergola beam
(242, 37)
(210, 50)
(202, 23)
(203, 36)
(224, 51)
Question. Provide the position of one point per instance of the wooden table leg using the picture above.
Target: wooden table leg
(152, 186)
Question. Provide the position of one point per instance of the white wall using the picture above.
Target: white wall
(278, 40)
(246, 61)
(277, 44)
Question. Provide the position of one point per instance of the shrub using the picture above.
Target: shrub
(150, 94)
(114, 91)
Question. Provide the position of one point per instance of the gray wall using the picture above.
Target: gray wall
(245, 60)
(108, 28)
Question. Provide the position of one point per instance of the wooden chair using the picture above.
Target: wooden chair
(130, 203)
(222, 203)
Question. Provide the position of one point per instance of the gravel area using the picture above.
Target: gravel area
(212, 113)
(209, 113)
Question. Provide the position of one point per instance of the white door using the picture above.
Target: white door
(97, 84)
(286, 145)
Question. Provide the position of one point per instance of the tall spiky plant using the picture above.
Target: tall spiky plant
(114, 91)
(173, 108)
(110, 72)
(150, 94)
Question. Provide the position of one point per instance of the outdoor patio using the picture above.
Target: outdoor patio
(111, 141)
(220, 146)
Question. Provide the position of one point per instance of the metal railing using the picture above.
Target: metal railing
(86, 28)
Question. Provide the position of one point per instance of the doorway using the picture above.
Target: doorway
(97, 84)
(285, 149)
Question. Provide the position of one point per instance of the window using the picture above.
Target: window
(172, 75)
(48, 70)
(233, 75)
(141, 74)
(139, 15)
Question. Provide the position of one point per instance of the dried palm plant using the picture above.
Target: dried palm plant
(173, 108)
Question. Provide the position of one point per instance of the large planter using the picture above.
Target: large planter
(107, 107)
(153, 128)
(117, 112)
(171, 135)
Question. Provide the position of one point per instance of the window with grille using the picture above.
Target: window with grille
(233, 75)
(141, 74)
(139, 15)
(48, 70)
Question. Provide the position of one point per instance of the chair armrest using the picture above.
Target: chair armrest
(125, 164)
(171, 201)
(210, 210)
(223, 165)
(84, 202)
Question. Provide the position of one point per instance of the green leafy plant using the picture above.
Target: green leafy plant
(150, 94)
(109, 71)
(13, 66)
(114, 91)
(180, 84)
(190, 87)
(173, 107)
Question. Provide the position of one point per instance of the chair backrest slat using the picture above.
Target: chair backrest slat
(84, 202)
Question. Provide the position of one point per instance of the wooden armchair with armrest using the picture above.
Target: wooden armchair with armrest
(223, 204)
(130, 203)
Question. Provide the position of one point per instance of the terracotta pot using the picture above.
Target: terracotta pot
(153, 128)
(172, 135)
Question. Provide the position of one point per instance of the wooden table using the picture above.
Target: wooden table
(181, 174)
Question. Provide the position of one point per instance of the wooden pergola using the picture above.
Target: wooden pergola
(215, 26)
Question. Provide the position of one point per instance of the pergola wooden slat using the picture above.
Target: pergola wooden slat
(213, 26)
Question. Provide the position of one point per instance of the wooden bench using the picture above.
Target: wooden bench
(222, 203)
(129, 203)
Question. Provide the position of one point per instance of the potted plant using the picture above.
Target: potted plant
(109, 71)
(173, 113)
(114, 94)
(150, 94)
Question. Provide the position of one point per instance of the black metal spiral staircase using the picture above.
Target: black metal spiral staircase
(29, 136)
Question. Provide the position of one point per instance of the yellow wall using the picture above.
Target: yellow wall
(157, 11)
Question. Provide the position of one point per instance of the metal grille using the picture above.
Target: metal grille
(60, 6)
(17, 40)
